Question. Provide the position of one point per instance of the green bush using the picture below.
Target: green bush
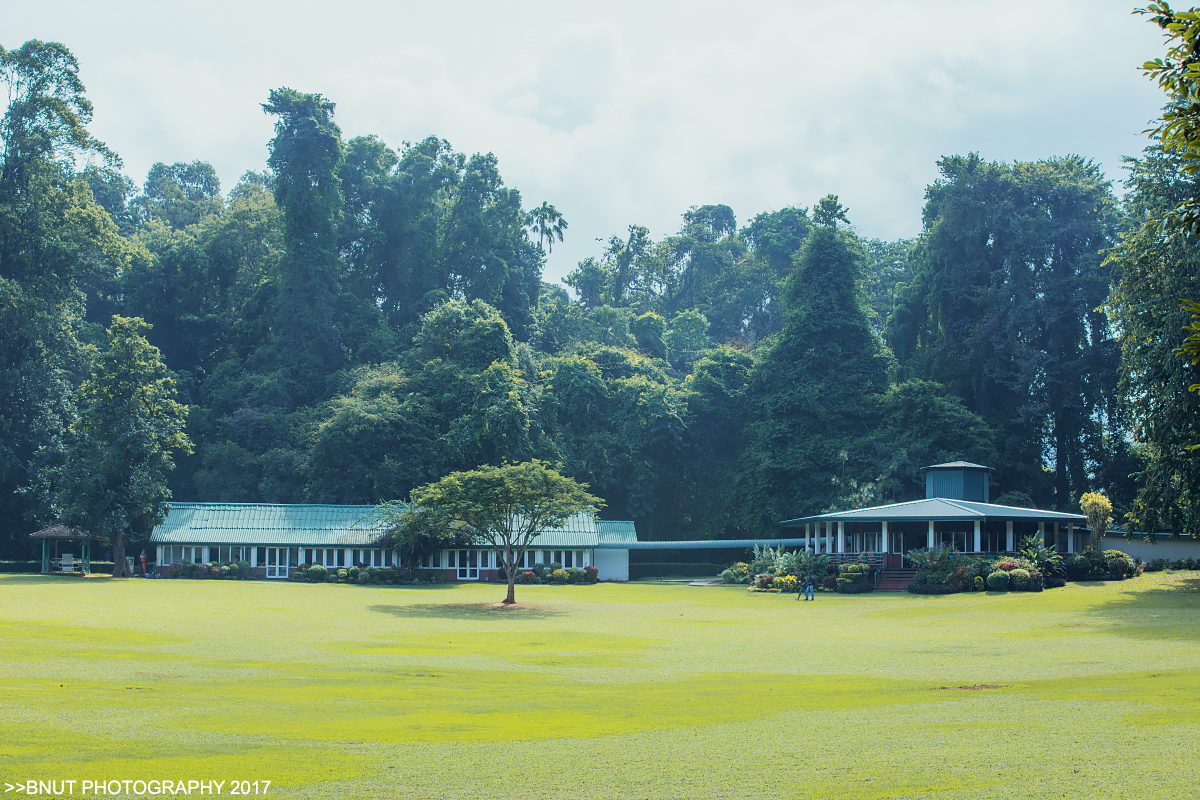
(1157, 565)
(1019, 580)
(316, 573)
(342, 574)
(352, 573)
(575, 575)
(26, 566)
(559, 575)
(998, 581)
(979, 583)
(1118, 565)
(1077, 567)
(685, 569)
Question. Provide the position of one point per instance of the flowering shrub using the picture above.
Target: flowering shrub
(785, 583)
(592, 574)
(738, 573)
(527, 576)
(559, 575)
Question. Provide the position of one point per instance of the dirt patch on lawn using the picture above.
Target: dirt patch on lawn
(976, 688)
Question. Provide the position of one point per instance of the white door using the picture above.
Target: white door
(468, 565)
(277, 562)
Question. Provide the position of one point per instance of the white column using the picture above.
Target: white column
(254, 556)
(1008, 536)
(929, 536)
(807, 530)
(884, 544)
(978, 537)
(841, 536)
(1070, 537)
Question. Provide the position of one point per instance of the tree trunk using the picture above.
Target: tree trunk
(1062, 486)
(510, 571)
(120, 565)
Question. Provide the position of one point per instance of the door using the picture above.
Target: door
(277, 562)
(468, 565)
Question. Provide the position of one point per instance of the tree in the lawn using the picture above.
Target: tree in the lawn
(114, 476)
(505, 508)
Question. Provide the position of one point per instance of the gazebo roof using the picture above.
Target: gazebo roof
(957, 465)
(60, 531)
(940, 509)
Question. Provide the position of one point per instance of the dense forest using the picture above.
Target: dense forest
(358, 319)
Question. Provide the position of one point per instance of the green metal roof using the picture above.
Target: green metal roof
(939, 509)
(304, 525)
(268, 524)
(616, 532)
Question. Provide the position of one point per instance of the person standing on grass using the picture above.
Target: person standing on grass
(808, 587)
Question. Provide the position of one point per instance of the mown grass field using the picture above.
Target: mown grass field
(605, 691)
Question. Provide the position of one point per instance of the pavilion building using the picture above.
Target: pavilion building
(275, 539)
(956, 511)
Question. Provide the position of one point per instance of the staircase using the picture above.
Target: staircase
(894, 580)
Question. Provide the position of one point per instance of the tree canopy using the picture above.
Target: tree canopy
(504, 507)
(355, 319)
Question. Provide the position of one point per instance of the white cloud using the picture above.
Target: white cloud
(622, 112)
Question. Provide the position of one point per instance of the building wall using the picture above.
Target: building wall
(613, 565)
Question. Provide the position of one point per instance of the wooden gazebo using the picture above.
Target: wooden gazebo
(54, 563)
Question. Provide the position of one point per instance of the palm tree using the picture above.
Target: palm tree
(930, 558)
(548, 223)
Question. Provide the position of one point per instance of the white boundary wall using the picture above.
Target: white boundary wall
(1164, 547)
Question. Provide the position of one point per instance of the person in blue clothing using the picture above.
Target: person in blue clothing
(807, 588)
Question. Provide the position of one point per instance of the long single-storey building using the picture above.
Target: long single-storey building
(275, 539)
(956, 511)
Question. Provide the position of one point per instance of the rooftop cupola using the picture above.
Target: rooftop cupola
(957, 480)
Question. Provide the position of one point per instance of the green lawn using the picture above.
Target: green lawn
(604, 691)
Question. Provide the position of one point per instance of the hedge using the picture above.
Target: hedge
(930, 588)
(26, 567)
(682, 569)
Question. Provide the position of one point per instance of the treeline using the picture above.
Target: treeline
(356, 320)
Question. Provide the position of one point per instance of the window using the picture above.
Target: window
(341, 555)
(262, 555)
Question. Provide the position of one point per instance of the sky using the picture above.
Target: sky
(623, 113)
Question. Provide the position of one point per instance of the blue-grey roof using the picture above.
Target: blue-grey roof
(957, 465)
(939, 509)
(701, 544)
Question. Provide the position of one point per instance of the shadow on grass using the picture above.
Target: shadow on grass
(466, 611)
(1153, 612)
